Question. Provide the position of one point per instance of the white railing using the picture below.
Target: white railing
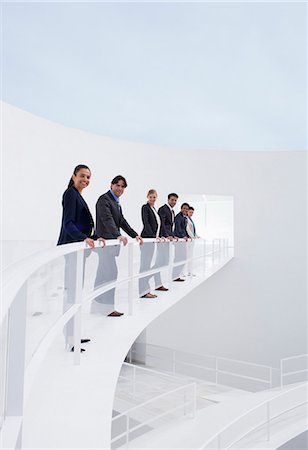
(15, 296)
(181, 400)
(211, 368)
(256, 417)
(291, 375)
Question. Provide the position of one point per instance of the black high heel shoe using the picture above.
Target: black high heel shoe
(81, 350)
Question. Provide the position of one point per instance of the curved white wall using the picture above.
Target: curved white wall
(256, 307)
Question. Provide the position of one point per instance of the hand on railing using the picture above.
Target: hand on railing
(89, 242)
(161, 239)
(123, 239)
(139, 239)
(102, 241)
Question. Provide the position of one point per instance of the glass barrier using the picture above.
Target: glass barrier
(51, 291)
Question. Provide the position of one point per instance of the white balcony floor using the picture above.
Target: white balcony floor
(68, 403)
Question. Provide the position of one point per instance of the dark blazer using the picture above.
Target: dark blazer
(149, 221)
(180, 226)
(77, 222)
(166, 221)
(109, 218)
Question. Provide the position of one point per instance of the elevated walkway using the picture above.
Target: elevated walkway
(67, 404)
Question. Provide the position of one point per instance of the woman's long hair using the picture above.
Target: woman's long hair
(76, 170)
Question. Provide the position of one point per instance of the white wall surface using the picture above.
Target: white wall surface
(255, 309)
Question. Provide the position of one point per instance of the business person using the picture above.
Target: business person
(191, 227)
(151, 229)
(77, 226)
(192, 233)
(180, 231)
(109, 221)
(167, 216)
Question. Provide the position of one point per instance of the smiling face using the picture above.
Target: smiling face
(118, 188)
(81, 179)
(152, 198)
(184, 210)
(172, 201)
(190, 212)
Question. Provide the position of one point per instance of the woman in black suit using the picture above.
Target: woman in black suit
(77, 226)
(77, 222)
(151, 229)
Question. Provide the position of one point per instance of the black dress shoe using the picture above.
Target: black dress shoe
(84, 341)
(179, 279)
(81, 350)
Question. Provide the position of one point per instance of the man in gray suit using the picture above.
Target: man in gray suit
(109, 221)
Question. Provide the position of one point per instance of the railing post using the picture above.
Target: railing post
(16, 350)
(213, 251)
(204, 256)
(130, 275)
(194, 400)
(78, 300)
(271, 378)
(170, 263)
(268, 419)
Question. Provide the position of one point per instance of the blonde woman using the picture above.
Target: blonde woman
(151, 229)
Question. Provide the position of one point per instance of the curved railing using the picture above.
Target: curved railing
(260, 415)
(215, 369)
(70, 272)
(179, 400)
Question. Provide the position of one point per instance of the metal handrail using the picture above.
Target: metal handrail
(216, 360)
(250, 410)
(295, 357)
(15, 275)
(154, 399)
(284, 373)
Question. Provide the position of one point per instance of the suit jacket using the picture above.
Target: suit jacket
(77, 222)
(109, 218)
(166, 221)
(149, 221)
(180, 226)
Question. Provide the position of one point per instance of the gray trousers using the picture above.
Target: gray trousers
(107, 271)
(180, 254)
(70, 290)
(146, 255)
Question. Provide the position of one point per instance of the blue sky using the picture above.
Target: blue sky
(225, 76)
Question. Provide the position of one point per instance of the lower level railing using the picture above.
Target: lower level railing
(166, 406)
(261, 415)
(225, 371)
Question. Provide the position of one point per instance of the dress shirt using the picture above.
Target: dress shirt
(157, 220)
